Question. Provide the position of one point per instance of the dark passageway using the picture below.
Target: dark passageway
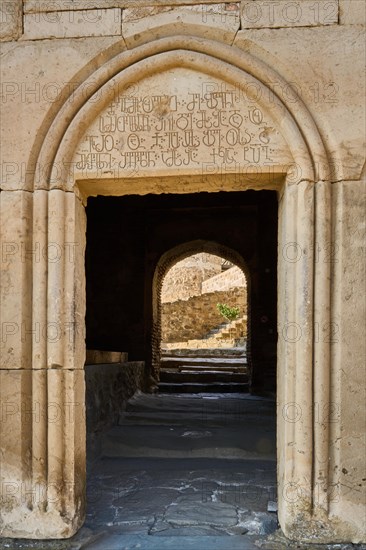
(191, 471)
(174, 468)
(128, 236)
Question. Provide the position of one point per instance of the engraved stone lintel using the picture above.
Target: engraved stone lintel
(159, 125)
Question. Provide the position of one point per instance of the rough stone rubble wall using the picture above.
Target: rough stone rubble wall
(194, 318)
(191, 290)
(108, 388)
(186, 277)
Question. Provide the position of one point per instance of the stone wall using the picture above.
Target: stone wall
(185, 278)
(108, 388)
(191, 290)
(99, 357)
(118, 97)
(194, 318)
(233, 277)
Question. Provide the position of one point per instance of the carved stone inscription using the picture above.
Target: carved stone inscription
(179, 129)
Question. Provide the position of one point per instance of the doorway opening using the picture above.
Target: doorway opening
(204, 322)
(193, 463)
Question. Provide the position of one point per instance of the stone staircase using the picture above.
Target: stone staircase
(226, 335)
(233, 330)
(203, 371)
(193, 426)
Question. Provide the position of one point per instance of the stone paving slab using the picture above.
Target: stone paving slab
(179, 503)
(189, 510)
(165, 529)
(138, 542)
(84, 540)
(178, 497)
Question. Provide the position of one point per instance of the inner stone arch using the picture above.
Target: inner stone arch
(170, 259)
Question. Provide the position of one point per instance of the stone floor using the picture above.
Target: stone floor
(184, 472)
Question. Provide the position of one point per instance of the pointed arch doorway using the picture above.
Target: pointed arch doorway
(67, 172)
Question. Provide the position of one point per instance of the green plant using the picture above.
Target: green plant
(230, 313)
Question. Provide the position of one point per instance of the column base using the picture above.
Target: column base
(35, 524)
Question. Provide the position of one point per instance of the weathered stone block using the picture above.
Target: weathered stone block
(30, 87)
(192, 114)
(15, 424)
(346, 412)
(42, 459)
(218, 21)
(36, 6)
(10, 20)
(108, 389)
(42, 310)
(352, 12)
(283, 13)
(65, 281)
(17, 254)
(322, 91)
(72, 24)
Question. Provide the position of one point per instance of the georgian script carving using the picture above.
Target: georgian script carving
(184, 129)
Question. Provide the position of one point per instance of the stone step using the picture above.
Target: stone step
(198, 359)
(205, 352)
(182, 376)
(191, 440)
(225, 335)
(172, 419)
(215, 330)
(203, 368)
(206, 343)
(219, 387)
(203, 362)
(201, 406)
(230, 330)
(153, 542)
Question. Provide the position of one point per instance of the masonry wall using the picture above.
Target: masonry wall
(108, 388)
(230, 278)
(185, 279)
(195, 318)
(316, 51)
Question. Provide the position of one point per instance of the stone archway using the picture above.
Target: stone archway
(166, 262)
(52, 459)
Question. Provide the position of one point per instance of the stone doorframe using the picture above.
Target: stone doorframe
(56, 293)
(166, 262)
